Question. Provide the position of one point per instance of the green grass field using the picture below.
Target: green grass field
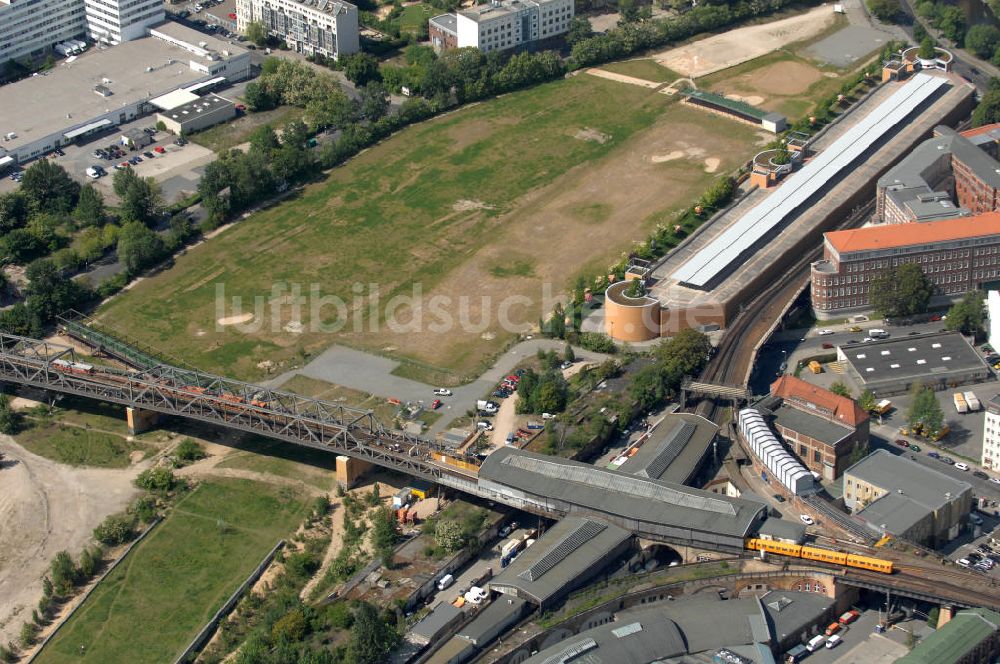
(415, 16)
(78, 446)
(396, 215)
(154, 602)
(648, 70)
(262, 455)
(230, 134)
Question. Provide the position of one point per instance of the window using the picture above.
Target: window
(817, 456)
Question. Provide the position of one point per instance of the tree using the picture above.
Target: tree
(139, 247)
(371, 637)
(839, 388)
(927, 51)
(568, 354)
(50, 292)
(27, 635)
(89, 561)
(21, 245)
(449, 535)
(361, 68)
(867, 401)
(579, 29)
(10, 419)
(333, 110)
(89, 207)
(629, 10)
(374, 102)
(64, 573)
(925, 409)
(885, 10)
(263, 139)
(142, 201)
(13, 211)
(290, 627)
(48, 187)
(966, 315)
(988, 110)
(901, 290)
(256, 32)
(983, 40)
(258, 97)
(385, 533)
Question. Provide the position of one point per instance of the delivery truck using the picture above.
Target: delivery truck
(972, 401)
(960, 404)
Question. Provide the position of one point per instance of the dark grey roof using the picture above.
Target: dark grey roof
(895, 513)
(785, 530)
(620, 496)
(447, 22)
(790, 613)
(207, 104)
(775, 117)
(893, 359)
(502, 612)
(674, 450)
(810, 425)
(925, 486)
(567, 552)
(442, 616)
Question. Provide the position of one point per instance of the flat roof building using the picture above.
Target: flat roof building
(971, 637)
(444, 617)
(647, 507)
(991, 433)
(897, 496)
(561, 560)
(675, 450)
(201, 113)
(502, 24)
(892, 366)
(103, 89)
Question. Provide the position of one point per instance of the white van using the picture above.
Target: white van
(833, 641)
(815, 643)
(877, 333)
(445, 581)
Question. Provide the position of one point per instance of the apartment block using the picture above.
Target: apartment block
(117, 21)
(502, 24)
(324, 27)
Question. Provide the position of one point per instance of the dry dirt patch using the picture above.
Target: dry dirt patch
(781, 78)
(731, 48)
(588, 134)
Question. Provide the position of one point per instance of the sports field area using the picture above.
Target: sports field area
(491, 201)
(156, 600)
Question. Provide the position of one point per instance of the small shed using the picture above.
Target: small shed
(135, 138)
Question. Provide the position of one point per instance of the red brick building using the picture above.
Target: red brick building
(821, 428)
(957, 255)
(443, 31)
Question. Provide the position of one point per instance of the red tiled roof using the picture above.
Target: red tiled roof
(888, 236)
(842, 409)
(969, 133)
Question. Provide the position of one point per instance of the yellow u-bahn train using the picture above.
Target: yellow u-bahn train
(821, 555)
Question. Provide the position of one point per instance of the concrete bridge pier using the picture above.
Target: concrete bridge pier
(350, 470)
(140, 420)
(945, 615)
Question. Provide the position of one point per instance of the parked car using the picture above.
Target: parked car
(933, 455)
(827, 345)
(806, 519)
(442, 392)
(485, 426)
(962, 465)
(849, 617)
(902, 443)
(565, 365)
(980, 474)
(854, 328)
(779, 498)
(995, 480)
(435, 404)
(823, 333)
(947, 460)
(914, 447)
(147, 155)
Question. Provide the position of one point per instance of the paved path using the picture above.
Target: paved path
(622, 78)
(371, 373)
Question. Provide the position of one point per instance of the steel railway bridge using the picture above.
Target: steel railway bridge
(228, 403)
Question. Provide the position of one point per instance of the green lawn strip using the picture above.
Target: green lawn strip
(230, 134)
(415, 16)
(390, 207)
(149, 607)
(313, 467)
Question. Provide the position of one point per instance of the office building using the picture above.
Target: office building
(323, 27)
(957, 255)
(29, 28)
(501, 24)
(991, 435)
(199, 114)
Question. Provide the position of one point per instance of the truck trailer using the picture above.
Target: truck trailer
(960, 405)
(972, 401)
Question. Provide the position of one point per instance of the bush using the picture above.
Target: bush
(115, 530)
(156, 479)
(598, 343)
(27, 636)
(189, 451)
(64, 573)
(144, 508)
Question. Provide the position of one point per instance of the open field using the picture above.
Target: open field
(149, 607)
(492, 201)
(730, 48)
(321, 389)
(415, 16)
(643, 68)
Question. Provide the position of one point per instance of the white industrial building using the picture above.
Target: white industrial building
(991, 435)
(326, 27)
(105, 88)
(511, 23)
(28, 28)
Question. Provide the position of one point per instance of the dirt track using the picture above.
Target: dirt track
(47, 507)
